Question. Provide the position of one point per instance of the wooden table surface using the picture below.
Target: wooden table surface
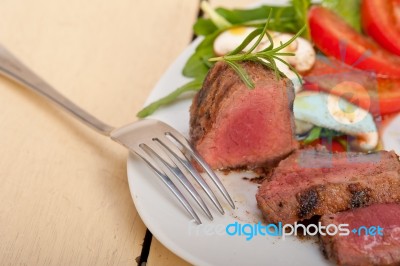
(64, 196)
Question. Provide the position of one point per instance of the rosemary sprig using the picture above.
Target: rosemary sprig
(267, 56)
(284, 20)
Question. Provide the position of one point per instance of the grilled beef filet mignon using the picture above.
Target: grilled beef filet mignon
(311, 182)
(377, 248)
(232, 126)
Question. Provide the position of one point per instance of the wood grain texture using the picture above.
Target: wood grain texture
(159, 254)
(64, 197)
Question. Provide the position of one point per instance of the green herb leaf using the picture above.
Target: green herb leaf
(349, 10)
(246, 41)
(242, 74)
(284, 45)
(330, 133)
(301, 14)
(216, 18)
(318, 132)
(204, 27)
(313, 135)
(262, 62)
(239, 16)
(262, 34)
(290, 67)
(269, 54)
(283, 19)
(151, 108)
(197, 64)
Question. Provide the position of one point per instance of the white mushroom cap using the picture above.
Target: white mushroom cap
(330, 111)
(290, 75)
(302, 127)
(366, 141)
(304, 53)
(304, 57)
(230, 39)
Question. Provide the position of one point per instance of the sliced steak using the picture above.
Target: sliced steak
(359, 248)
(311, 182)
(232, 126)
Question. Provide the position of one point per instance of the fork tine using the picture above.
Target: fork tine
(213, 177)
(188, 151)
(166, 143)
(135, 134)
(168, 182)
(174, 169)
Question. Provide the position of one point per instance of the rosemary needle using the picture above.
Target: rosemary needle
(266, 57)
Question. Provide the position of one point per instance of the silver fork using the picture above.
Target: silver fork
(166, 152)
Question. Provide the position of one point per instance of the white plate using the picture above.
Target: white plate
(209, 244)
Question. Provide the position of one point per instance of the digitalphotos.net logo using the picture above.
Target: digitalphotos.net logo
(249, 231)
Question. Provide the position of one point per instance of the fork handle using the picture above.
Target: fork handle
(11, 67)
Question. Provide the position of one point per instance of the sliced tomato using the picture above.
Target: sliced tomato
(379, 20)
(376, 94)
(389, 95)
(334, 37)
(332, 146)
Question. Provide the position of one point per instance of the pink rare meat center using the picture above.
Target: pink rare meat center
(233, 126)
(362, 247)
(241, 130)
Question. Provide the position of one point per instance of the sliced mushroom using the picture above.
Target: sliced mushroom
(303, 59)
(333, 112)
(302, 127)
(366, 141)
(230, 39)
(290, 75)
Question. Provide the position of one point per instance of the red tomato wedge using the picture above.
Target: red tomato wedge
(336, 38)
(376, 94)
(333, 146)
(379, 21)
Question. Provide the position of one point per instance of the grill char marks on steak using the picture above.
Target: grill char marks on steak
(311, 182)
(360, 249)
(232, 126)
(308, 201)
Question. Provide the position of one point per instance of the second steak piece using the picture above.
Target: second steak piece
(311, 182)
(232, 126)
(363, 246)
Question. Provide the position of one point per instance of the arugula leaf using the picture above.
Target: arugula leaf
(269, 54)
(301, 10)
(283, 19)
(349, 10)
(194, 85)
(197, 63)
(239, 16)
(319, 132)
(204, 27)
(246, 41)
(330, 133)
(219, 21)
(313, 135)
